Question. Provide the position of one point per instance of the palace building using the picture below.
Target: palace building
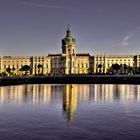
(67, 62)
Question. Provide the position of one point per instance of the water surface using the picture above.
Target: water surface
(71, 112)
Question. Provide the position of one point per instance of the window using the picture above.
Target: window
(55, 65)
(69, 51)
(4, 66)
(73, 52)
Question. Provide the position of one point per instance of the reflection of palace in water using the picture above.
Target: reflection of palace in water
(21, 94)
(122, 93)
(70, 100)
(69, 95)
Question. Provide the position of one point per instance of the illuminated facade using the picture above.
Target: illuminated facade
(67, 62)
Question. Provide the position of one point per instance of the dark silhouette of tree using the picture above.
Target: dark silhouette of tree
(8, 70)
(3, 74)
(13, 69)
(130, 70)
(116, 67)
(137, 70)
(26, 69)
(125, 67)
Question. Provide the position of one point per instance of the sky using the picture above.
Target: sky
(36, 27)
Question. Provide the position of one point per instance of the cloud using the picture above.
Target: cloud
(47, 6)
(126, 40)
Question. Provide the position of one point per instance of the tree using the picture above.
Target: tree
(116, 67)
(130, 70)
(13, 69)
(26, 69)
(3, 74)
(125, 67)
(8, 70)
(100, 67)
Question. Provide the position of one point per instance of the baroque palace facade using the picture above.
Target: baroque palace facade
(67, 62)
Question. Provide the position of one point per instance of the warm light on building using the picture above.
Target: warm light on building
(68, 62)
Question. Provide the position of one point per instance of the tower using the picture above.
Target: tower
(69, 53)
